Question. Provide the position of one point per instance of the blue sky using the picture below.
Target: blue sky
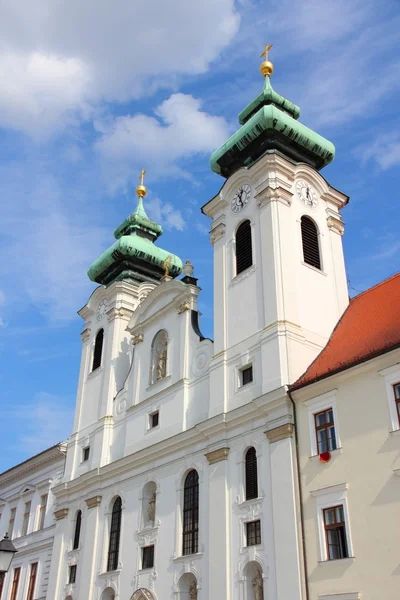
(91, 92)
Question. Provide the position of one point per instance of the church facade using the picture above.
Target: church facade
(182, 476)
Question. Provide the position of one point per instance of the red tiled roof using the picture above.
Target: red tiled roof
(370, 326)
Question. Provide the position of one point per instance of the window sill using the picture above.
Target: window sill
(94, 373)
(314, 269)
(243, 275)
(333, 452)
(110, 574)
(348, 559)
(156, 428)
(146, 571)
(188, 557)
(157, 382)
(252, 502)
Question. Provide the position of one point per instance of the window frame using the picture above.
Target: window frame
(72, 574)
(242, 270)
(151, 549)
(325, 428)
(257, 532)
(391, 377)
(98, 362)
(85, 453)
(316, 405)
(77, 530)
(246, 468)
(151, 417)
(192, 511)
(305, 262)
(335, 526)
(11, 519)
(15, 583)
(327, 498)
(32, 580)
(397, 400)
(42, 511)
(113, 555)
(244, 369)
(26, 518)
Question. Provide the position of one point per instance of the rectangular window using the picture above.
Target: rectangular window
(154, 419)
(396, 390)
(335, 532)
(72, 574)
(32, 581)
(325, 431)
(25, 522)
(42, 511)
(148, 557)
(247, 375)
(253, 533)
(15, 583)
(86, 453)
(11, 522)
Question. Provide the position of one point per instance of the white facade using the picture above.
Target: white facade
(27, 515)
(362, 475)
(275, 317)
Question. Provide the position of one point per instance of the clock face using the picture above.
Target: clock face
(307, 194)
(241, 198)
(101, 309)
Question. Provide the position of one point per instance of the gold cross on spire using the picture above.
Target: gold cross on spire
(266, 50)
(141, 176)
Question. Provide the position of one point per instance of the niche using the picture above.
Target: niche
(149, 504)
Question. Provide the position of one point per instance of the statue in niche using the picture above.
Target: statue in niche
(193, 591)
(162, 364)
(151, 509)
(258, 585)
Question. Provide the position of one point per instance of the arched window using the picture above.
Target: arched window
(309, 237)
(98, 349)
(251, 474)
(77, 532)
(159, 351)
(244, 252)
(191, 514)
(115, 532)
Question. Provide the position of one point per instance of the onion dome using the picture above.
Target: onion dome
(270, 122)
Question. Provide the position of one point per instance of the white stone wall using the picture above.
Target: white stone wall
(363, 475)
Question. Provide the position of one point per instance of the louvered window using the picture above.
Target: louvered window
(191, 514)
(244, 252)
(115, 532)
(251, 474)
(77, 532)
(309, 236)
(98, 349)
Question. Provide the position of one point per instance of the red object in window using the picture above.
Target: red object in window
(325, 457)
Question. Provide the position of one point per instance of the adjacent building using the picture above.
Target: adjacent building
(27, 516)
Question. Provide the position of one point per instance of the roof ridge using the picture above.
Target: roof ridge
(375, 286)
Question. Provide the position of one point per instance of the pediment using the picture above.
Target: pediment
(28, 487)
(142, 594)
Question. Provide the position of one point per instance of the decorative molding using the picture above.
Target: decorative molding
(137, 338)
(335, 224)
(217, 232)
(147, 536)
(217, 455)
(280, 433)
(273, 194)
(93, 502)
(332, 489)
(348, 596)
(61, 513)
(120, 313)
(183, 307)
(85, 335)
(243, 275)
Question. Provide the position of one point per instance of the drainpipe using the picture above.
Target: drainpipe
(300, 496)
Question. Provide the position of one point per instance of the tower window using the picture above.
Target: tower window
(98, 349)
(72, 574)
(77, 532)
(85, 453)
(251, 474)
(244, 252)
(246, 375)
(148, 557)
(191, 514)
(154, 419)
(309, 237)
(253, 533)
(115, 532)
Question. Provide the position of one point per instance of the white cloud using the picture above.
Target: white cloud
(384, 150)
(41, 423)
(179, 130)
(164, 214)
(59, 58)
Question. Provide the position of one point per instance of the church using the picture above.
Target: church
(261, 465)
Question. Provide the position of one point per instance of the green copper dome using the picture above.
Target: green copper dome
(270, 122)
(134, 256)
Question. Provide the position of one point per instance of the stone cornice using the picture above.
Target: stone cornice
(217, 455)
(40, 461)
(335, 224)
(61, 513)
(119, 313)
(217, 232)
(280, 433)
(93, 502)
(274, 194)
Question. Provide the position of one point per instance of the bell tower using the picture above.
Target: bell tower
(279, 275)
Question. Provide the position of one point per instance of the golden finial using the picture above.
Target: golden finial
(166, 265)
(141, 189)
(266, 67)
